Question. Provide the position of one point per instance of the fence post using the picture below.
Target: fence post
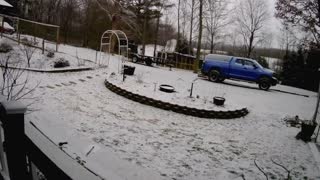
(18, 21)
(12, 118)
(43, 46)
(2, 29)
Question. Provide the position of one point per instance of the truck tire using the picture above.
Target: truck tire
(214, 75)
(264, 84)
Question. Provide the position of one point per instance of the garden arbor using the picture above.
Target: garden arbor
(112, 41)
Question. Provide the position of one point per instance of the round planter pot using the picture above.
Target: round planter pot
(166, 88)
(307, 130)
(128, 70)
(219, 101)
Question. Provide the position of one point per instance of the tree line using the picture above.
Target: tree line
(240, 28)
(301, 61)
(82, 22)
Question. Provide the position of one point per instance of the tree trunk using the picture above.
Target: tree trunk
(114, 41)
(178, 39)
(144, 35)
(196, 63)
(211, 43)
(156, 38)
(191, 28)
(250, 45)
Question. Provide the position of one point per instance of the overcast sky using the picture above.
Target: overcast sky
(273, 25)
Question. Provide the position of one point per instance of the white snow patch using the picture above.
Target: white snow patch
(77, 58)
(274, 63)
(149, 49)
(4, 3)
(171, 46)
(7, 26)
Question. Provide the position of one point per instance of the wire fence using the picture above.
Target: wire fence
(26, 31)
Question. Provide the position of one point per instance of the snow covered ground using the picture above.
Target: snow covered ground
(42, 61)
(146, 82)
(274, 63)
(174, 145)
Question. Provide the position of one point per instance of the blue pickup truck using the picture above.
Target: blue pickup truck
(221, 67)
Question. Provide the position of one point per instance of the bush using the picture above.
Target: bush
(28, 42)
(262, 61)
(5, 48)
(60, 63)
(50, 54)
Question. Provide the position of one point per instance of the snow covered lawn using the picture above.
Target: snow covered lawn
(174, 145)
(42, 61)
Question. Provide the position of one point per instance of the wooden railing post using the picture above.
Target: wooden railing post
(2, 29)
(12, 119)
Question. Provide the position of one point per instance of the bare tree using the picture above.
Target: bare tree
(166, 30)
(185, 18)
(27, 50)
(37, 14)
(67, 17)
(250, 17)
(191, 25)
(14, 82)
(147, 10)
(287, 39)
(178, 37)
(164, 6)
(216, 18)
(51, 7)
(136, 15)
(196, 62)
(304, 14)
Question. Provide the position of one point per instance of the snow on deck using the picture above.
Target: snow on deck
(4, 3)
(174, 145)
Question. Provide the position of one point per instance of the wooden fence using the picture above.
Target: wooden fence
(46, 33)
(177, 60)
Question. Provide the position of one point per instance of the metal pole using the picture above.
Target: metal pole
(58, 38)
(42, 46)
(18, 28)
(318, 101)
(191, 90)
(317, 108)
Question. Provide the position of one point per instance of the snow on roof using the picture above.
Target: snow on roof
(171, 45)
(7, 26)
(4, 3)
(218, 57)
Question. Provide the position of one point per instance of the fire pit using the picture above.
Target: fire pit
(166, 88)
(219, 101)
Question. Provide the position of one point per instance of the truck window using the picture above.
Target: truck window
(248, 63)
(239, 61)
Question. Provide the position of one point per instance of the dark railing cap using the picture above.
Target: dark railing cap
(14, 107)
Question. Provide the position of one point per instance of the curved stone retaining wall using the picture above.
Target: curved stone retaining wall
(177, 108)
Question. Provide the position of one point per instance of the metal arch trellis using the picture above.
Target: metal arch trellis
(106, 40)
